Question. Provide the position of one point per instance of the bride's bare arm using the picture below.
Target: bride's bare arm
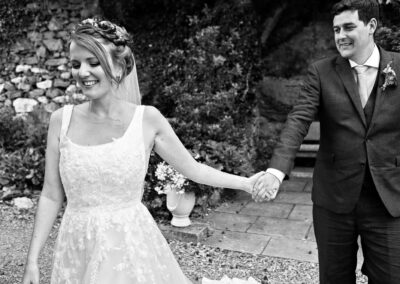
(171, 149)
(50, 201)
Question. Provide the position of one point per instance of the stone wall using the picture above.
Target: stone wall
(35, 70)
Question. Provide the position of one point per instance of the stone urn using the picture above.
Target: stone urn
(180, 205)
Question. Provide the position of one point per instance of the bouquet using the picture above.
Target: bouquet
(169, 179)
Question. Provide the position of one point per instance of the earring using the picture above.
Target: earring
(118, 78)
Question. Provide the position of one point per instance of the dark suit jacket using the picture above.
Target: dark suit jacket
(346, 143)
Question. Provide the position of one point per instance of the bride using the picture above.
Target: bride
(97, 156)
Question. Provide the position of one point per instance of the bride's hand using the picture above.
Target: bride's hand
(252, 181)
(31, 274)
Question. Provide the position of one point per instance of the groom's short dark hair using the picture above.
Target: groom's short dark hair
(367, 9)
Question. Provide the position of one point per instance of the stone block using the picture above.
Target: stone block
(22, 105)
(194, 233)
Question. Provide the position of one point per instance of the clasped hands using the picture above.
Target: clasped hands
(265, 186)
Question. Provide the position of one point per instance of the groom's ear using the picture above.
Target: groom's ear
(372, 25)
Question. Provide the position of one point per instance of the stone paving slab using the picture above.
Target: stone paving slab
(231, 222)
(236, 241)
(297, 185)
(308, 187)
(311, 234)
(280, 227)
(267, 209)
(294, 198)
(294, 249)
(302, 213)
(232, 206)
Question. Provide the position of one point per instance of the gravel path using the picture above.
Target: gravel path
(197, 260)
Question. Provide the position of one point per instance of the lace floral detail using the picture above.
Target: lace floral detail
(107, 235)
(91, 177)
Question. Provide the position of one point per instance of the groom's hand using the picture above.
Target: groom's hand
(266, 188)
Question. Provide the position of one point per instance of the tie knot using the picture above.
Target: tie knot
(360, 69)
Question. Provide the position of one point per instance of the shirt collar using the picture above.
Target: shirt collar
(372, 61)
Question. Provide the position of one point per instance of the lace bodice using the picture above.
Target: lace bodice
(105, 174)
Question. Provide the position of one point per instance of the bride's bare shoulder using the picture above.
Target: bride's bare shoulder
(152, 114)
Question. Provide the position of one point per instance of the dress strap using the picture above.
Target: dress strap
(136, 126)
(140, 110)
(66, 118)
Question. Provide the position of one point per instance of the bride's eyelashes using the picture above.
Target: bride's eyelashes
(93, 63)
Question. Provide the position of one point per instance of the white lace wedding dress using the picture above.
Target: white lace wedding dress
(107, 236)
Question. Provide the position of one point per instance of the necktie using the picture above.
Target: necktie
(362, 83)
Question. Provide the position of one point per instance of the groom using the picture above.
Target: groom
(356, 189)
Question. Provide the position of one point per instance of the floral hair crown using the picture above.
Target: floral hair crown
(112, 32)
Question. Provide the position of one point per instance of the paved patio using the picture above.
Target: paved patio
(281, 228)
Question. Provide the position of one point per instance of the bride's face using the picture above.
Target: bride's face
(88, 72)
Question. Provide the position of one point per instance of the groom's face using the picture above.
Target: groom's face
(353, 37)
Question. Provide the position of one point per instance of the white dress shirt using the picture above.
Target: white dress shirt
(372, 72)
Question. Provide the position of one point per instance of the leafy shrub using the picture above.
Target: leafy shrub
(12, 130)
(204, 86)
(14, 17)
(212, 111)
(22, 155)
(389, 38)
(22, 169)
(22, 131)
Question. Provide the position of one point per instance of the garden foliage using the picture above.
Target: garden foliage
(14, 15)
(22, 151)
(205, 93)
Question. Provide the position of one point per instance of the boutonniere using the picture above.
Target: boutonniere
(390, 77)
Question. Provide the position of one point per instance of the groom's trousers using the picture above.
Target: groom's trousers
(337, 240)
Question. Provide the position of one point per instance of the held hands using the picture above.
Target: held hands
(252, 181)
(266, 187)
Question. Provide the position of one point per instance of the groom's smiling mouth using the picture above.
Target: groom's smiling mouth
(345, 44)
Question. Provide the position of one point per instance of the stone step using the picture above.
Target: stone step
(194, 233)
(310, 145)
(302, 172)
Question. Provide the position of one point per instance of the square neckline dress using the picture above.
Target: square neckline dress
(107, 235)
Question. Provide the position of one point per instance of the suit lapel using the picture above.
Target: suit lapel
(346, 75)
(384, 61)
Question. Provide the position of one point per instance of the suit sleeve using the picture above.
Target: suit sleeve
(297, 123)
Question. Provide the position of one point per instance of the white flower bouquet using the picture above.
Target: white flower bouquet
(169, 179)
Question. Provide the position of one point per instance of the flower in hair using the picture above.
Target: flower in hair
(89, 21)
(112, 32)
